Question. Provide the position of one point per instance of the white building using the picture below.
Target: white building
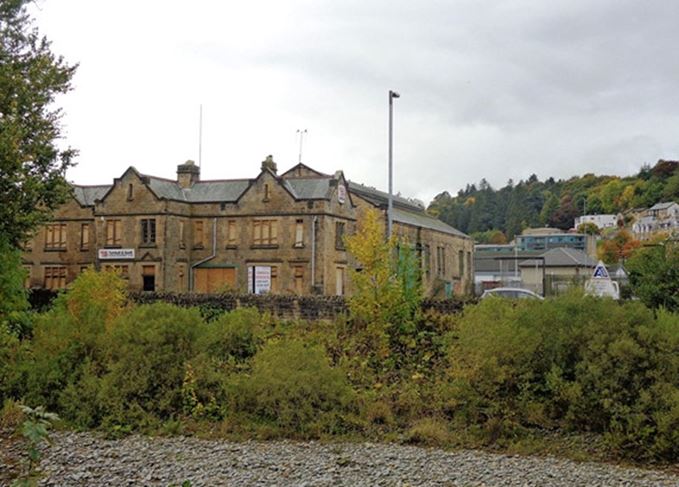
(661, 217)
(601, 221)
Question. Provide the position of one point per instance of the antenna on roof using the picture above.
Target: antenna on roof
(200, 136)
(302, 133)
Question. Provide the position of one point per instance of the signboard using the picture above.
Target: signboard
(115, 254)
(259, 279)
(601, 284)
(600, 272)
(341, 194)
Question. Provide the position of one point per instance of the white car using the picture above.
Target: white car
(511, 293)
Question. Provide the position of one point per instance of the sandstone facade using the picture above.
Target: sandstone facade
(275, 233)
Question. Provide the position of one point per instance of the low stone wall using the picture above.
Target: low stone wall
(302, 307)
(289, 307)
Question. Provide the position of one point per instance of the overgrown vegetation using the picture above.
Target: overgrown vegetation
(500, 373)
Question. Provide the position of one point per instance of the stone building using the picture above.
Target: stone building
(274, 233)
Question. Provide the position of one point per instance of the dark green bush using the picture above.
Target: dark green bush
(575, 362)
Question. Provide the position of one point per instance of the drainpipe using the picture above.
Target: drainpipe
(210, 257)
(313, 253)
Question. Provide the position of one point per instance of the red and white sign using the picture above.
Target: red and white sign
(116, 254)
(259, 279)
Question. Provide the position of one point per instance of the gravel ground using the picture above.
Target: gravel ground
(88, 460)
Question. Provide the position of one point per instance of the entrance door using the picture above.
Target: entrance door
(215, 280)
(148, 274)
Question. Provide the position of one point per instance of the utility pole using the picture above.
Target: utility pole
(390, 208)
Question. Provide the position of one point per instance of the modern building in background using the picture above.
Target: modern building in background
(542, 239)
(281, 234)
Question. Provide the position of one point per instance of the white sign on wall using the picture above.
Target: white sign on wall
(259, 279)
(114, 254)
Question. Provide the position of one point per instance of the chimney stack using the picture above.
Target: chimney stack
(269, 164)
(187, 174)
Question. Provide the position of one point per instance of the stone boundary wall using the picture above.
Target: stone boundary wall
(282, 306)
(297, 307)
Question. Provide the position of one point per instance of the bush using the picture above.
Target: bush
(149, 347)
(293, 387)
(576, 362)
(232, 334)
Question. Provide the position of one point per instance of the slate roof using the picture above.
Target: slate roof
(421, 219)
(406, 211)
(378, 197)
(309, 188)
(85, 195)
(662, 206)
(214, 191)
(562, 257)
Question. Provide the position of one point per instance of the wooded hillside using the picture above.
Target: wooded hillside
(481, 210)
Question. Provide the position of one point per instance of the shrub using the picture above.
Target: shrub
(232, 334)
(149, 347)
(428, 431)
(576, 362)
(293, 387)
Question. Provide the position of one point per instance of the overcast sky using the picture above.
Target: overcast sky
(489, 89)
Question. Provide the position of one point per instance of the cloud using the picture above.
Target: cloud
(495, 90)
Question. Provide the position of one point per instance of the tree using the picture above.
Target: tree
(654, 275)
(589, 228)
(377, 297)
(618, 248)
(13, 300)
(32, 167)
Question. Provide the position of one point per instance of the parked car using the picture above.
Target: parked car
(511, 293)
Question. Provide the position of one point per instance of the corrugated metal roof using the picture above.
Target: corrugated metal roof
(85, 195)
(421, 219)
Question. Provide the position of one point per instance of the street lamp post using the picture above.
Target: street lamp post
(390, 208)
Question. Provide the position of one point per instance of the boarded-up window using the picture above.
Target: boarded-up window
(84, 236)
(265, 232)
(114, 232)
(231, 237)
(121, 269)
(298, 275)
(339, 281)
(55, 277)
(55, 236)
(198, 234)
(339, 235)
(299, 233)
